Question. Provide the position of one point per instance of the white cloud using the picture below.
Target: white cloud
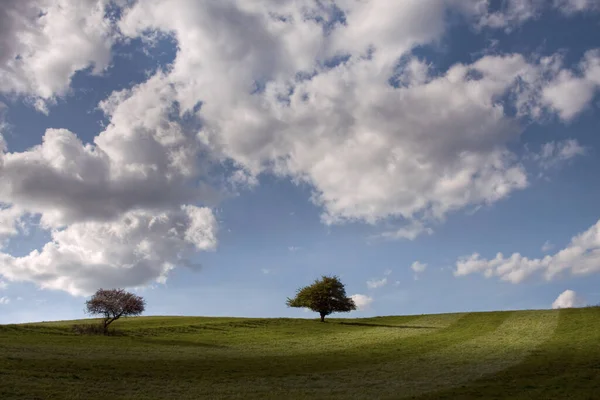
(345, 130)
(10, 222)
(547, 246)
(568, 299)
(410, 232)
(515, 13)
(570, 93)
(555, 154)
(4, 300)
(377, 283)
(137, 249)
(45, 42)
(294, 249)
(235, 93)
(143, 159)
(243, 179)
(119, 209)
(418, 267)
(265, 271)
(574, 6)
(512, 14)
(387, 272)
(3, 285)
(362, 301)
(580, 257)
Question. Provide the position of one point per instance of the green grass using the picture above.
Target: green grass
(498, 355)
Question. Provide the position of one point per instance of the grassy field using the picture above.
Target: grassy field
(497, 355)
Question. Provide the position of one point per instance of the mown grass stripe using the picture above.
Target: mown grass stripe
(512, 342)
(365, 375)
(504, 343)
(567, 365)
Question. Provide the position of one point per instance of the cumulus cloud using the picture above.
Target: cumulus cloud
(362, 301)
(66, 181)
(568, 299)
(137, 249)
(570, 93)
(144, 159)
(11, 222)
(4, 300)
(121, 210)
(418, 267)
(345, 130)
(580, 257)
(312, 101)
(288, 88)
(44, 43)
(3, 285)
(377, 283)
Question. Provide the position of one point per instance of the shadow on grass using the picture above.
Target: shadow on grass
(388, 326)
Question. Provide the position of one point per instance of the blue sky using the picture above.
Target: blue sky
(438, 156)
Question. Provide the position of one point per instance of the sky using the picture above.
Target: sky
(214, 156)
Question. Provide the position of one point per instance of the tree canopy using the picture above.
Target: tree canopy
(325, 296)
(113, 304)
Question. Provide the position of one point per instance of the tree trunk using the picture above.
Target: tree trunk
(323, 317)
(107, 322)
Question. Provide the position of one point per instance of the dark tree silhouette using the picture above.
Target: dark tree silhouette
(325, 296)
(113, 304)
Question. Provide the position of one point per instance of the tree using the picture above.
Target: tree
(325, 296)
(113, 304)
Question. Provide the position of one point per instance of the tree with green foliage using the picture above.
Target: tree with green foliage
(113, 304)
(325, 296)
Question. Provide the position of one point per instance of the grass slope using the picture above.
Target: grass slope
(498, 355)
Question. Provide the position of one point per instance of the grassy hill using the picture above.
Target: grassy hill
(498, 355)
